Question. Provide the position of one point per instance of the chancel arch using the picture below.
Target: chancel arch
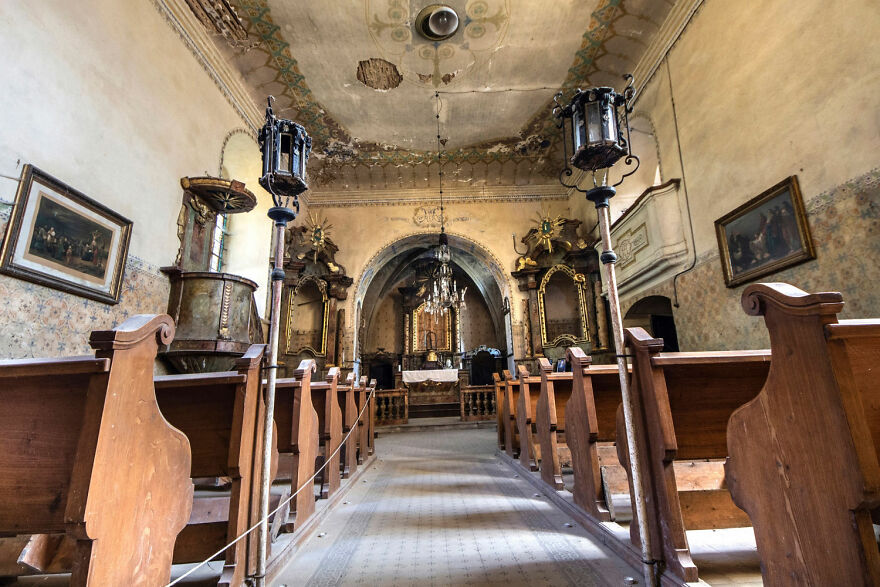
(393, 277)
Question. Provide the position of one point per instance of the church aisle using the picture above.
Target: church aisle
(438, 508)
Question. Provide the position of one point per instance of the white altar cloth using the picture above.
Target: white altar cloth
(438, 375)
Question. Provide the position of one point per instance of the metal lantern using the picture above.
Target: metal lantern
(595, 117)
(286, 146)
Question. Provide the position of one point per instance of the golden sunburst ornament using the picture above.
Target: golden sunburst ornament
(548, 228)
(318, 233)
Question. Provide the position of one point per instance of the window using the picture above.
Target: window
(218, 242)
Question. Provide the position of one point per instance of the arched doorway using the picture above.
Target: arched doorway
(654, 314)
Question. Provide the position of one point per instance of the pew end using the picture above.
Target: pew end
(828, 386)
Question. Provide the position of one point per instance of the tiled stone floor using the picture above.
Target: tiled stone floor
(438, 508)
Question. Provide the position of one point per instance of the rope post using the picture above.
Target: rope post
(600, 196)
(281, 216)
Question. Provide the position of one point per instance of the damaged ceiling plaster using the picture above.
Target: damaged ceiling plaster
(378, 74)
(497, 75)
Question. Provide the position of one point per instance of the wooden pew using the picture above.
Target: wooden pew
(600, 482)
(298, 440)
(550, 423)
(804, 454)
(326, 401)
(499, 408)
(349, 415)
(511, 398)
(681, 404)
(526, 405)
(218, 414)
(371, 414)
(87, 452)
(364, 423)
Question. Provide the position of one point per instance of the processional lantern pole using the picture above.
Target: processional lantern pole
(595, 117)
(285, 147)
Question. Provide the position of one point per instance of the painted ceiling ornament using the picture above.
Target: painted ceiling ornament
(435, 63)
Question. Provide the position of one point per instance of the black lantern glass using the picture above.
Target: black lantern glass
(595, 117)
(285, 146)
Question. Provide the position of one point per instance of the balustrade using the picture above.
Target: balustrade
(392, 407)
(478, 403)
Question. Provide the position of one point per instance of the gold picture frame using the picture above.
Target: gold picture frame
(765, 235)
(60, 238)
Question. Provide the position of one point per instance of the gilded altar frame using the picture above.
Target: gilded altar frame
(579, 280)
(415, 329)
(325, 311)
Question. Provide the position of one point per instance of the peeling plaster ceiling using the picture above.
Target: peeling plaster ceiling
(496, 77)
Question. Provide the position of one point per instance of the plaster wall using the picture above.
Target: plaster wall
(104, 96)
(750, 94)
(361, 232)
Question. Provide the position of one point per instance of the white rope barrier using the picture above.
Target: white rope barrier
(308, 483)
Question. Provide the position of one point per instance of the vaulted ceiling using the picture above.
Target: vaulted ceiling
(367, 86)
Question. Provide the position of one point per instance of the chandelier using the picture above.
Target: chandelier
(443, 292)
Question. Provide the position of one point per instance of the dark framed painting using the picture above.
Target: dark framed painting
(765, 235)
(60, 238)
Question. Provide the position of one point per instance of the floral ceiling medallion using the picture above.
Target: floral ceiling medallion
(428, 63)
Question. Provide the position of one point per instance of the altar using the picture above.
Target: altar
(432, 386)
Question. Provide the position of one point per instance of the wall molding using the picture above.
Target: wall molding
(671, 29)
(427, 196)
(193, 34)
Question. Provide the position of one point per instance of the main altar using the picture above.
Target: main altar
(432, 386)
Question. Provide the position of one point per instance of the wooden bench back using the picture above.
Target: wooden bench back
(703, 390)
(550, 422)
(817, 420)
(681, 404)
(298, 431)
(562, 385)
(593, 405)
(508, 408)
(854, 346)
(498, 382)
(38, 396)
(218, 414)
(68, 428)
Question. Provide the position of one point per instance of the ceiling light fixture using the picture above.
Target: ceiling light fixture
(443, 293)
(437, 22)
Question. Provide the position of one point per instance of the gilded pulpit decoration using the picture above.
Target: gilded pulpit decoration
(215, 313)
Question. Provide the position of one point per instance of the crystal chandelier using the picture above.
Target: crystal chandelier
(443, 292)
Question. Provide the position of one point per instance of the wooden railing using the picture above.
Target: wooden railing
(478, 403)
(392, 406)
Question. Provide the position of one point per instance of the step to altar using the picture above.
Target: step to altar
(444, 423)
(434, 410)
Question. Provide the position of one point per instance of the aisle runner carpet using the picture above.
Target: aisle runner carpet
(438, 508)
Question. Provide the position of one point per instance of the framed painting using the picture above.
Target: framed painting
(765, 235)
(60, 238)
